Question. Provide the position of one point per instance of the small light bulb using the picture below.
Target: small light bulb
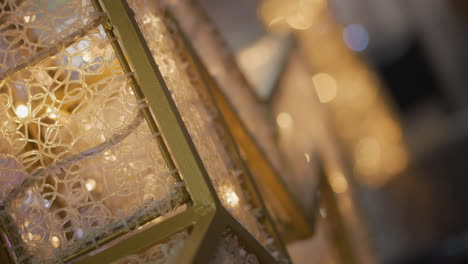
(22, 111)
(90, 184)
(55, 241)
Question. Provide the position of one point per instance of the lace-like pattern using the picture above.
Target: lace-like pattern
(230, 252)
(198, 118)
(30, 27)
(78, 161)
(163, 253)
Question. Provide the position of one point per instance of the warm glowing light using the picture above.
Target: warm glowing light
(284, 120)
(307, 156)
(109, 156)
(325, 86)
(356, 37)
(55, 241)
(231, 197)
(90, 184)
(338, 182)
(22, 111)
(52, 113)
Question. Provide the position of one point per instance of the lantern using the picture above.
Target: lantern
(113, 149)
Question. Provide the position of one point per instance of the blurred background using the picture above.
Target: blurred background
(387, 123)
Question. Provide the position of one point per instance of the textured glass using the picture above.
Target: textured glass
(77, 160)
(222, 66)
(229, 251)
(163, 253)
(30, 27)
(199, 117)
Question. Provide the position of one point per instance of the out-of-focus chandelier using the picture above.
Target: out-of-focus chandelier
(112, 147)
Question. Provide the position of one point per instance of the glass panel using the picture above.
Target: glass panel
(78, 161)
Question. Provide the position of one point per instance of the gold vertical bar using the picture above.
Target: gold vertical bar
(159, 99)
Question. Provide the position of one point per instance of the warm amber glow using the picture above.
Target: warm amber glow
(325, 86)
(363, 119)
(22, 111)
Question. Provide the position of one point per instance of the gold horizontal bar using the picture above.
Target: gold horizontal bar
(120, 231)
(145, 239)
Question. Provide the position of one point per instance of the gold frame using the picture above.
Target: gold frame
(205, 216)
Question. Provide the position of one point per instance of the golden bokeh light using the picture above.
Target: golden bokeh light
(325, 86)
(284, 120)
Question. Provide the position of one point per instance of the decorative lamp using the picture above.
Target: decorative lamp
(112, 148)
